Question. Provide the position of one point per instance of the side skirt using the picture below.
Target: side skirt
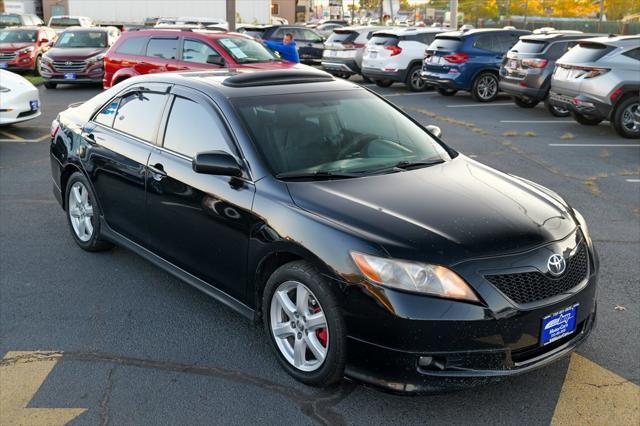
(219, 295)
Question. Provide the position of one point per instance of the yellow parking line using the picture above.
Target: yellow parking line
(11, 135)
(593, 395)
(21, 378)
(41, 138)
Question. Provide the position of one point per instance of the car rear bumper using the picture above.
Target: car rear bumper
(439, 82)
(516, 88)
(337, 65)
(581, 103)
(378, 74)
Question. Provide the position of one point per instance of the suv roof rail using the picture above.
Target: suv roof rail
(276, 77)
(187, 29)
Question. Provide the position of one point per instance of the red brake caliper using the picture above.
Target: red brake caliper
(321, 332)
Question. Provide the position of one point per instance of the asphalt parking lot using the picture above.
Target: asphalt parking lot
(109, 338)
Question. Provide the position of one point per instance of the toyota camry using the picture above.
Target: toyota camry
(367, 246)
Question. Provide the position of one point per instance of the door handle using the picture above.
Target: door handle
(157, 171)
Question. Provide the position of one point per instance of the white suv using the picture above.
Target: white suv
(397, 55)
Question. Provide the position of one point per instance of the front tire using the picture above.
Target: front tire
(83, 214)
(626, 118)
(525, 102)
(584, 120)
(383, 83)
(303, 320)
(414, 82)
(50, 86)
(485, 87)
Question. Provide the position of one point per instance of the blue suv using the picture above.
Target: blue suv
(468, 60)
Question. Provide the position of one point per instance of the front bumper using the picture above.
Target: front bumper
(19, 64)
(378, 74)
(17, 107)
(582, 104)
(407, 342)
(92, 74)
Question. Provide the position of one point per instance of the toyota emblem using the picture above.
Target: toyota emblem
(556, 265)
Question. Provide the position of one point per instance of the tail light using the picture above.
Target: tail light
(395, 50)
(351, 45)
(457, 58)
(535, 63)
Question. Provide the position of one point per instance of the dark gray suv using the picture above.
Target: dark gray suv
(526, 69)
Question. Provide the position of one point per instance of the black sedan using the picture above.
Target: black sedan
(366, 245)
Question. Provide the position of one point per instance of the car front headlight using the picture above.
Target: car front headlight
(26, 50)
(414, 277)
(95, 59)
(583, 226)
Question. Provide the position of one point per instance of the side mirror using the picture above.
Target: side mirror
(215, 60)
(435, 130)
(216, 163)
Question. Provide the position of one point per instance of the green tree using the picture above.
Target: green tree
(618, 9)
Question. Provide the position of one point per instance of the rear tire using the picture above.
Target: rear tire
(83, 214)
(295, 327)
(557, 111)
(626, 119)
(48, 85)
(447, 92)
(525, 102)
(414, 82)
(485, 87)
(584, 120)
(383, 83)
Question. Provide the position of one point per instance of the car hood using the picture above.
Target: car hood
(70, 53)
(441, 214)
(10, 47)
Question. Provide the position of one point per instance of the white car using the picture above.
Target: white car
(61, 22)
(19, 99)
(396, 56)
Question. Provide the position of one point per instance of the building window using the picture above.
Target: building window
(275, 9)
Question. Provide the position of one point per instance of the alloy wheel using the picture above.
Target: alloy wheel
(560, 110)
(629, 120)
(487, 87)
(81, 211)
(299, 326)
(417, 82)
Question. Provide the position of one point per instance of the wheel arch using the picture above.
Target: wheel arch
(67, 170)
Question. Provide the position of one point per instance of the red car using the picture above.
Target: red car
(22, 47)
(148, 51)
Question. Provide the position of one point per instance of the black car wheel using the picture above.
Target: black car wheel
(626, 118)
(83, 214)
(485, 87)
(414, 82)
(557, 111)
(447, 92)
(584, 120)
(305, 325)
(48, 85)
(383, 83)
(525, 102)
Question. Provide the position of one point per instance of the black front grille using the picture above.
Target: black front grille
(528, 287)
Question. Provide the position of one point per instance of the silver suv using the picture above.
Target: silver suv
(599, 79)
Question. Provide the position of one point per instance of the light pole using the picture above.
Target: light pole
(231, 14)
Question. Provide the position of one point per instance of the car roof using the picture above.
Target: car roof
(460, 34)
(160, 31)
(87, 29)
(363, 28)
(411, 30)
(617, 41)
(558, 36)
(242, 83)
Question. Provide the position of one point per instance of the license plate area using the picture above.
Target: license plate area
(558, 325)
(4, 65)
(69, 76)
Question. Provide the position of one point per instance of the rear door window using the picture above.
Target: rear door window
(587, 52)
(633, 54)
(139, 114)
(193, 128)
(487, 42)
(132, 46)
(164, 48)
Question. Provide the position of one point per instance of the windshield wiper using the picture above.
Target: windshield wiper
(408, 165)
(316, 175)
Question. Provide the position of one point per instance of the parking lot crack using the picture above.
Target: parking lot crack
(104, 403)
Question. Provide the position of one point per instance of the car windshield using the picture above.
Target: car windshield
(18, 36)
(246, 50)
(64, 22)
(96, 39)
(10, 21)
(341, 132)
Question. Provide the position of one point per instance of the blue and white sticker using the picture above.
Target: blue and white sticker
(559, 324)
